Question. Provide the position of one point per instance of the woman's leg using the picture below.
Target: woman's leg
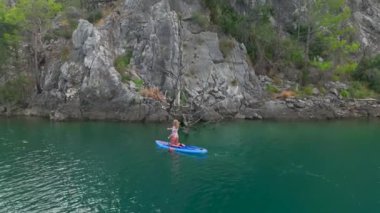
(173, 141)
(176, 141)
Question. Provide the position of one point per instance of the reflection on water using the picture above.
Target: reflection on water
(175, 168)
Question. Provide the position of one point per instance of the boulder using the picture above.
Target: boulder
(315, 91)
(3, 109)
(208, 114)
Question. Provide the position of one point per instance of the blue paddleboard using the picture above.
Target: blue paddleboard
(184, 149)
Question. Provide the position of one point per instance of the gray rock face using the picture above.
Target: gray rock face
(366, 15)
(210, 80)
(187, 66)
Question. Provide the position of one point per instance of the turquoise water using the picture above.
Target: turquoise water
(251, 167)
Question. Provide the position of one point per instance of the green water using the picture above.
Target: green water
(251, 167)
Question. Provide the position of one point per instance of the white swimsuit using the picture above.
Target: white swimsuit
(174, 132)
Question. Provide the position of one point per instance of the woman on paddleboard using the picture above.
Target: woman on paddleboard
(174, 137)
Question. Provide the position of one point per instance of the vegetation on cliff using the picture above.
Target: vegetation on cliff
(369, 71)
(319, 45)
(320, 40)
(28, 21)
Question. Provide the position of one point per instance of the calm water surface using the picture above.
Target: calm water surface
(251, 167)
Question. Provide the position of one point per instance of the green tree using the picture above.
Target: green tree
(3, 29)
(8, 33)
(322, 27)
(34, 18)
(254, 28)
(369, 71)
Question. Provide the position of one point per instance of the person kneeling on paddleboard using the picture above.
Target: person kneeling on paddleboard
(174, 137)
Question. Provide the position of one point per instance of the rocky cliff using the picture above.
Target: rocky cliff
(171, 52)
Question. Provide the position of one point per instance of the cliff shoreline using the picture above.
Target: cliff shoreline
(290, 109)
(154, 61)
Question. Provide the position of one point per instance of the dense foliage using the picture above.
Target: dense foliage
(322, 39)
(369, 71)
(25, 27)
(15, 90)
(28, 21)
(9, 30)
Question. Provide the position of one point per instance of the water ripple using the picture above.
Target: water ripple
(32, 183)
